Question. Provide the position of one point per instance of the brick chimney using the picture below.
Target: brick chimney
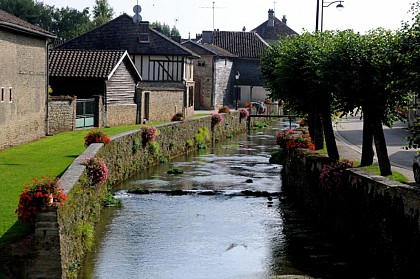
(284, 19)
(270, 18)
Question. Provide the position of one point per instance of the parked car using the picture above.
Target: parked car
(416, 168)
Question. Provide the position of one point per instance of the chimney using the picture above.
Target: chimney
(144, 32)
(284, 19)
(243, 29)
(176, 39)
(207, 37)
(270, 18)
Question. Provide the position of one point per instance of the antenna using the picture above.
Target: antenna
(274, 7)
(213, 7)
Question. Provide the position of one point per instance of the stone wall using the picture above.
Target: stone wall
(61, 114)
(377, 218)
(121, 114)
(124, 156)
(23, 92)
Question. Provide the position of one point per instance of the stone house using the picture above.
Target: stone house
(166, 67)
(212, 74)
(273, 29)
(23, 80)
(104, 83)
(246, 81)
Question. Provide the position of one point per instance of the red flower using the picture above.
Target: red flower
(42, 192)
(96, 136)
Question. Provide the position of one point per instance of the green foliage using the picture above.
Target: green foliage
(189, 143)
(175, 171)
(136, 145)
(260, 124)
(86, 232)
(110, 201)
(165, 29)
(202, 137)
(396, 176)
(102, 12)
(277, 157)
(154, 148)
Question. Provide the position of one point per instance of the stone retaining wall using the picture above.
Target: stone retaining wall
(64, 253)
(377, 218)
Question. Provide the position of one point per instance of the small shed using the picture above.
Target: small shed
(103, 81)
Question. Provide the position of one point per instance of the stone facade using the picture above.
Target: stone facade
(123, 114)
(61, 114)
(23, 92)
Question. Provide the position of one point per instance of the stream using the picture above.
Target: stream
(222, 234)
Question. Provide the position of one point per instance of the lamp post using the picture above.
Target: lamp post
(237, 75)
(325, 5)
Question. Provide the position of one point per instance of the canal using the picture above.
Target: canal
(219, 234)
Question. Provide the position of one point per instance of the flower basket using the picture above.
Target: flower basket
(96, 136)
(148, 134)
(224, 109)
(216, 119)
(96, 171)
(36, 197)
(243, 113)
(332, 176)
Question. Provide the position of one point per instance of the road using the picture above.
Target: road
(349, 133)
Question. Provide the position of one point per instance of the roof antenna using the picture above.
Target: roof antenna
(274, 7)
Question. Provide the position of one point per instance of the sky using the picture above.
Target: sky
(191, 17)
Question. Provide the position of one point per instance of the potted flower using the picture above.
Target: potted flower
(148, 134)
(224, 109)
(96, 171)
(216, 119)
(332, 175)
(96, 136)
(42, 193)
(243, 113)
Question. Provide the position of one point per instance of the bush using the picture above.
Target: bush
(96, 171)
(96, 136)
(41, 193)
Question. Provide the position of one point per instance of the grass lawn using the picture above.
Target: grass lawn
(49, 156)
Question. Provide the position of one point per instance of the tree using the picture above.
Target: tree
(102, 12)
(291, 70)
(165, 29)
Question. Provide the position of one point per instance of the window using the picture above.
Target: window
(201, 63)
(10, 94)
(2, 94)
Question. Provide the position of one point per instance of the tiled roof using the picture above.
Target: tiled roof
(122, 33)
(85, 63)
(273, 33)
(241, 44)
(208, 49)
(12, 22)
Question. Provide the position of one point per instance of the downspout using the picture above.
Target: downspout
(47, 110)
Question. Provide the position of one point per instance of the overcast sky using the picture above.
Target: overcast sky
(194, 16)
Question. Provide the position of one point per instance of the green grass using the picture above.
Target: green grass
(396, 176)
(49, 156)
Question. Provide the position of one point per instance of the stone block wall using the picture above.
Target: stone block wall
(61, 114)
(121, 114)
(378, 219)
(70, 227)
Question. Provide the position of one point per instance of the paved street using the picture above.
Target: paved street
(349, 140)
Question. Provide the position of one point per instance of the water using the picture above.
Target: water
(223, 236)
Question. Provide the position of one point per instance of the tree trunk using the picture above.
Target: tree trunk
(329, 133)
(367, 144)
(315, 128)
(380, 144)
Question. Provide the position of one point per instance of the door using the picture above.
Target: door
(85, 113)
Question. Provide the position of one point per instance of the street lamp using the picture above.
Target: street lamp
(237, 75)
(325, 5)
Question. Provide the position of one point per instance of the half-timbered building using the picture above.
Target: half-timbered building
(166, 67)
